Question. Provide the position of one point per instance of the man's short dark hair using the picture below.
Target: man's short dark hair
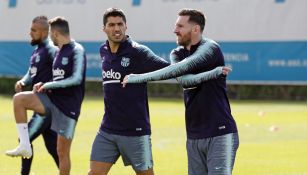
(195, 16)
(43, 20)
(60, 24)
(114, 12)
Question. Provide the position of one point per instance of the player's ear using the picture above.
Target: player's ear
(55, 33)
(196, 28)
(45, 32)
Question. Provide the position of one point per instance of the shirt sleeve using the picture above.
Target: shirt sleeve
(26, 79)
(77, 75)
(150, 61)
(203, 57)
(190, 80)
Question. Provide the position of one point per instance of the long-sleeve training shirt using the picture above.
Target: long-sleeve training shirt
(41, 60)
(126, 109)
(208, 111)
(67, 87)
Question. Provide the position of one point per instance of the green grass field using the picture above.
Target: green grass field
(261, 152)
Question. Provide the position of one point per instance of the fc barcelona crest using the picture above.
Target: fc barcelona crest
(37, 58)
(125, 62)
(64, 60)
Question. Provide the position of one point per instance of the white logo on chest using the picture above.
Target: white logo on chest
(37, 58)
(111, 74)
(58, 74)
(125, 61)
(33, 71)
(64, 60)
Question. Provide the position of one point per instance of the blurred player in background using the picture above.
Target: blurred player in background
(61, 98)
(40, 70)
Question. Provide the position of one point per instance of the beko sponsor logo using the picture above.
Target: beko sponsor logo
(111, 74)
(58, 74)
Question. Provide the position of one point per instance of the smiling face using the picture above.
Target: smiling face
(115, 28)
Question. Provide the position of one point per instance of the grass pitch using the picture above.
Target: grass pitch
(273, 139)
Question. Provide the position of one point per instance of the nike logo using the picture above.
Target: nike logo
(138, 164)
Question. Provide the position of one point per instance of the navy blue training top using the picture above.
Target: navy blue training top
(208, 112)
(41, 60)
(67, 87)
(126, 109)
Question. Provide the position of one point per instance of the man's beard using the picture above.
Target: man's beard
(35, 42)
(185, 40)
(55, 43)
(183, 43)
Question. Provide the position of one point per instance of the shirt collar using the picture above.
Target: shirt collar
(122, 45)
(194, 47)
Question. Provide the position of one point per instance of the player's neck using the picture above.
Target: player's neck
(114, 47)
(194, 41)
(63, 41)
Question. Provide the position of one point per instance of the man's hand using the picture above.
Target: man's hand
(125, 80)
(18, 86)
(226, 70)
(38, 87)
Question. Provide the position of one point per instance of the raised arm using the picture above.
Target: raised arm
(190, 80)
(201, 56)
(149, 61)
